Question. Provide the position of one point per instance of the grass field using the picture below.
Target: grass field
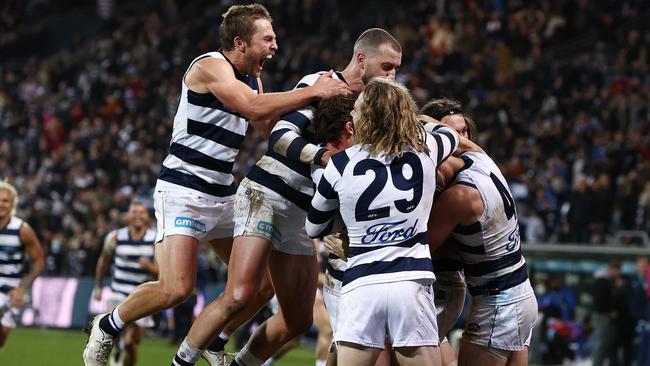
(48, 347)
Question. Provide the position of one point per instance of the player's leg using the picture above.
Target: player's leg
(132, 338)
(294, 279)
(447, 354)
(8, 316)
(416, 356)
(4, 335)
(176, 258)
(248, 263)
(386, 357)
(322, 324)
(473, 355)
(331, 296)
(223, 248)
(354, 354)
(518, 358)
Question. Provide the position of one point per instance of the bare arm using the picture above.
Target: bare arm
(264, 127)
(104, 262)
(457, 205)
(149, 265)
(34, 251)
(217, 76)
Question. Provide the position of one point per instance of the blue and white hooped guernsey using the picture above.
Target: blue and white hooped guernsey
(205, 142)
(385, 202)
(128, 273)
(285, 168)
(12, 255)
(491, 248)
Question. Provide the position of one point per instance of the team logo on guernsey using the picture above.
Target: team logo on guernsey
(190, 224)
(384, 232)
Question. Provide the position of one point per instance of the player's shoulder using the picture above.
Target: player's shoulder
(15, 223)
(309, 80)
(344, 158)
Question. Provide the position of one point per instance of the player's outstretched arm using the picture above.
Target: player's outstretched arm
(34, 251)
(218, 77)
(104, 262)
(324, 205)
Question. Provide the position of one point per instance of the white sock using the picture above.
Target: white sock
(115, 319)
(188, 353)
(321, 362)
(224, 336)
(246, 358)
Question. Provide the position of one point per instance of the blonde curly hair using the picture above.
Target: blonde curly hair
(386, 119)
(6, 186)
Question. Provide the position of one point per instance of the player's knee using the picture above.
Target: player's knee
(176, 295)
(266, 292)
(241, 296)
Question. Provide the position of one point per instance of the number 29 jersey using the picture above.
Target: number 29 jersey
(385, 202)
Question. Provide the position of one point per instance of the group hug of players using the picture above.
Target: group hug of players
(352, 162)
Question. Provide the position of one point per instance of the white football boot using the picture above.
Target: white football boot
(99, 344)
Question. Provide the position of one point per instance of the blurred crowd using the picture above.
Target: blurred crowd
(559, 88)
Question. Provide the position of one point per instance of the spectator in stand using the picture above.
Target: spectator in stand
(604, 315)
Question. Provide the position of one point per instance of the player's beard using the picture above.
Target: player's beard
(365, 78)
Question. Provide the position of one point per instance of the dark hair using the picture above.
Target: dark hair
(330, 117)
(238, 21)
(439, 108)
(370, 40)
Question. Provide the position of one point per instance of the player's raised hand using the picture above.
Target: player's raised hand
(327, 87)
(17, 296)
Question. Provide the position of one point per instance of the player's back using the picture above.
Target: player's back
(490, 247)
(385, 203)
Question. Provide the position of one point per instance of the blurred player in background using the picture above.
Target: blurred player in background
(270, 211)
(131, 249)
(194, 196)
(17, 241)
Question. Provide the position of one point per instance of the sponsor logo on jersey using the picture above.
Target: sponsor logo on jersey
(190, 224)
(386, 232)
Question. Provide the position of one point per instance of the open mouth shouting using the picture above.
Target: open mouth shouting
(262, 61)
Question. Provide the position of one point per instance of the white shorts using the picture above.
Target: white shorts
(8, 313)
(117, 298)
(503, 327)
(191, 214)
(450, 300)
(403, 310)
(331, 297)
(265, 214)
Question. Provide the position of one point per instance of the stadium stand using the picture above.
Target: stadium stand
(559, 89)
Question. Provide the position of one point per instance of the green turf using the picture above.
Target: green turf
(49, 347)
